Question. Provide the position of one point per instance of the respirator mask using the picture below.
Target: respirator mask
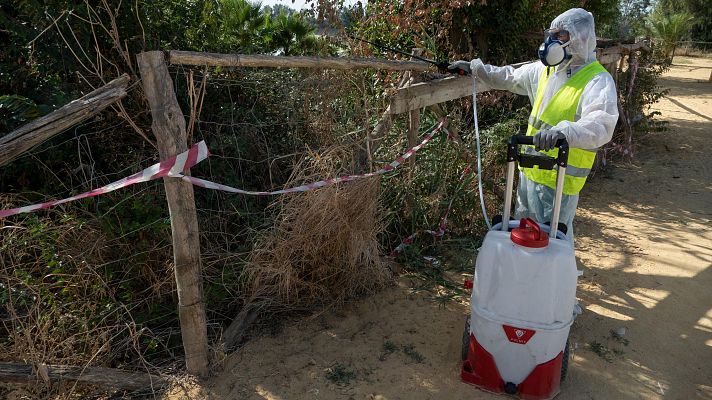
(553, 51)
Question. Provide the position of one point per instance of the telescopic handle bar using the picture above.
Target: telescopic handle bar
(530, 159)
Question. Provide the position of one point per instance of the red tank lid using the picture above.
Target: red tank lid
(529, 234)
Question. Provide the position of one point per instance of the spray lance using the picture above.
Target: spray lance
(444, 66)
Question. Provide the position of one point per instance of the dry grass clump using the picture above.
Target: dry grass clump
(323, 247)
(43, 263)
(69, 294)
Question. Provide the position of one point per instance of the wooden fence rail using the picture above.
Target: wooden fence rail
(38, 131)
(104, 377)
(242, 60)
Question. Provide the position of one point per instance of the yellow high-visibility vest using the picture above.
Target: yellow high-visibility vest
(562, 107)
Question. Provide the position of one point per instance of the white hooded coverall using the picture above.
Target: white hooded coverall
(595, 118)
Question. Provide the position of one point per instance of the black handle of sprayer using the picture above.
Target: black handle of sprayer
(541, 160)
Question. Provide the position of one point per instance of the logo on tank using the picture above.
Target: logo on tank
(518, 335)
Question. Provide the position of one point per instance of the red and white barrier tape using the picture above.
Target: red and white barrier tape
(170, 167)
(326, 182)
(174, 166)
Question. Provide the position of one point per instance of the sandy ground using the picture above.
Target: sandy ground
(644, 241)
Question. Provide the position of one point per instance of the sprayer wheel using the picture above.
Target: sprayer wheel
(466, 339)
(565, 362)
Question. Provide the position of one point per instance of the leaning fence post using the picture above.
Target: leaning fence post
(413, 117)
(169, 128)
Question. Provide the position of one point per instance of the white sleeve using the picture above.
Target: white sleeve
(597, 115)
(522, 80)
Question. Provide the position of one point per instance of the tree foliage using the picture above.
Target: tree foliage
(250, 28)
(498, 31)
(670, 29)
(628, 21)
(700, 11)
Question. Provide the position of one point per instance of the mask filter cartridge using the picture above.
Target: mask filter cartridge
(553, 52)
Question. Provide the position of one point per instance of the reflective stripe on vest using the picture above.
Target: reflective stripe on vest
(562, 107)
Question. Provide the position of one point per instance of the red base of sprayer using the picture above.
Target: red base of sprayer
(480, 369)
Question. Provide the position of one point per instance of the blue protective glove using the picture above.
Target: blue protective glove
(546, 139)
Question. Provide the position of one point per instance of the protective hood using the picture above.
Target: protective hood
(582, 31)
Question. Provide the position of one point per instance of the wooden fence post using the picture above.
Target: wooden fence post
(169, 128)
(413, 118)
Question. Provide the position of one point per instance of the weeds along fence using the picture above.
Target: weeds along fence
(92, 282)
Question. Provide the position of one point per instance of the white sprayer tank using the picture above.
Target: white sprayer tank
(523, 300)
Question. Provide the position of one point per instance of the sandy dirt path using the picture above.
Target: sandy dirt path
(644, 241)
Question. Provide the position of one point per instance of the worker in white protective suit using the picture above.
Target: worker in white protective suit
(572, 97)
